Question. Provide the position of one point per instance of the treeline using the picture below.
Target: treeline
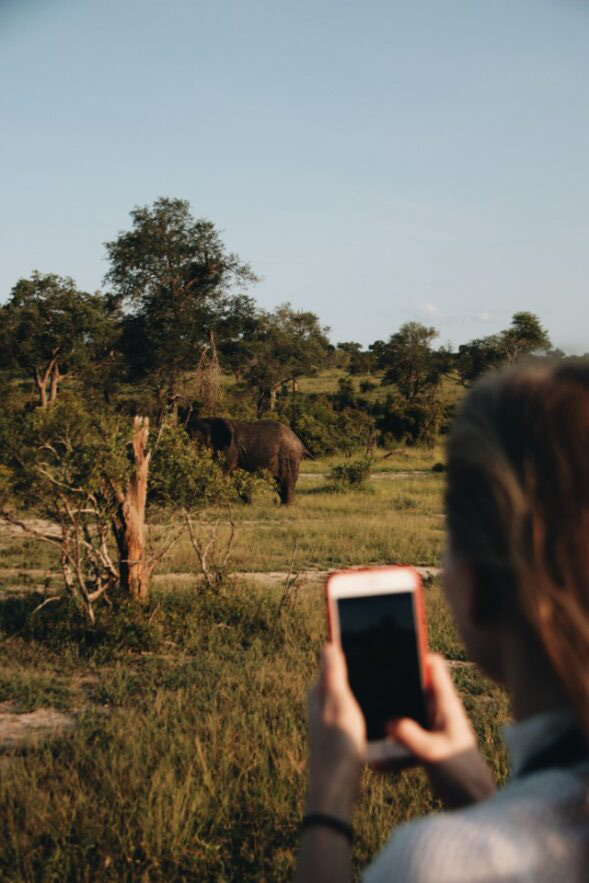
(177, 321)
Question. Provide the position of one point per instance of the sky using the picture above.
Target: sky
(376, 162)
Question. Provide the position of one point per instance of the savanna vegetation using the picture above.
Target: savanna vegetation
(174, 625)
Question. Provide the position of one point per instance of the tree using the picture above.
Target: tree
(174, 275)
(51, 331)
(476, 357)
(359, 361)
(524, 337)
(92, 475)
(286, 345)
(409, 361)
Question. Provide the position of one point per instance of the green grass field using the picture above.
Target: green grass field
(187, 760)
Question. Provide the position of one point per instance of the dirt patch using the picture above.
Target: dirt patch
(21, 729)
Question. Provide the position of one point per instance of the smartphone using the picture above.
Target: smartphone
(377, 616)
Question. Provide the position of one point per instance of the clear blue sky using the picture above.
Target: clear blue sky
(375, 161)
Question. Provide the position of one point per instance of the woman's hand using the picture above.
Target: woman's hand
(337, 737)
(449, 750)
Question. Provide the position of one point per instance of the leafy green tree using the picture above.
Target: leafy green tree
(175, 277)
(285, 346)
(358, 361)
(524, 337)
(51, 331)
(476, 357)
(409, 361)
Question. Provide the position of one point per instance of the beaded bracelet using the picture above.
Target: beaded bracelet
(319, 819)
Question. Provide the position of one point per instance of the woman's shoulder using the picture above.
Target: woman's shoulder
(535, 827)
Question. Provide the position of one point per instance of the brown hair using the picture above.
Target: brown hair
(517, 503)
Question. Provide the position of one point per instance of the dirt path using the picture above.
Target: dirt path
(271, 577)
(417, 473)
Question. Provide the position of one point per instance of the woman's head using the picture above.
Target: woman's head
(517, 504)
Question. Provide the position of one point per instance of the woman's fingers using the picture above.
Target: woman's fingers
(423, 744)
(333, 668)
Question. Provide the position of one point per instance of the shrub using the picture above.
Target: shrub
(414, 421)
(183, 474)
(246, 484)
(352, 474)
(329, 423)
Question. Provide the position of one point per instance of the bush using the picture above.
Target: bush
(246, 484)
(411, 422)
(327, 423)
(183, 474)
(352, 474)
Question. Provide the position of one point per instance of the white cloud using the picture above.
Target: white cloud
(430, 310)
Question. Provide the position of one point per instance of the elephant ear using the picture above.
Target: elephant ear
(222, 433)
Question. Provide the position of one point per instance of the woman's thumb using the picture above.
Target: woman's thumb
(410, 734)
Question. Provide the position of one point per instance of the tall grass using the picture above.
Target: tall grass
(189, 756)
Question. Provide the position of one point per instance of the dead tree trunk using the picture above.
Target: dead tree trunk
(129, 521)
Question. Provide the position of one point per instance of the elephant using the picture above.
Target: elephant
(263, 444)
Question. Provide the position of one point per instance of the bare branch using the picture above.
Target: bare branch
(47, 601)
(12, 519)
(156, 557)
(291, 583)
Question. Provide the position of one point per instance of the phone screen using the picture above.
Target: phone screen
(379, 641)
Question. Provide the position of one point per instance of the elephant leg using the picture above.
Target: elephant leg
(285, 492)
(287, 481)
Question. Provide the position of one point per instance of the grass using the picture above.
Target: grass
(390, 521)
(401, 459)
(188, 758)
(188, 761)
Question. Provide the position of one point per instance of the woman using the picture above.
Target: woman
(516, 575)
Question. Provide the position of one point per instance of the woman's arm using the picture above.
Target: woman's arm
(337, 741)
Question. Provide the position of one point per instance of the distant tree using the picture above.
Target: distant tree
(51, 331)
(174, 275)
(377, 349)
(524, 337)
(350, 346)
(409, 361)
(359, 361)
(285, 346)
(476, 357)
